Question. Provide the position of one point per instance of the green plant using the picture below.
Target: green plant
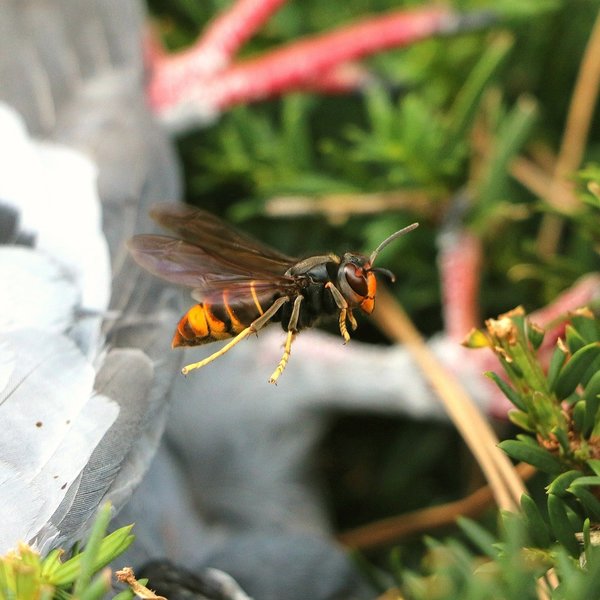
(26, 575)
(546, 551)
(422, 130)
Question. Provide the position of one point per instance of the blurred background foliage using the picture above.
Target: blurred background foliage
(445, 119)
(447, 115)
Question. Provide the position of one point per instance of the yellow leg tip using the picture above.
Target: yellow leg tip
(280, 368)
(284, 359)
(186, 370)
(344, 332)
(352, 320)
(342, 324)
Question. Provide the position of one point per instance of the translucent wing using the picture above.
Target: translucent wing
(218, 238)
(183, 263)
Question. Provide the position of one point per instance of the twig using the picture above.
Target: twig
(543, 156)
(531, 176)
(126, 575)
(393, 529)
(339, 207)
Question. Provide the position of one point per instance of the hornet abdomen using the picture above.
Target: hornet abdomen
(208, 322)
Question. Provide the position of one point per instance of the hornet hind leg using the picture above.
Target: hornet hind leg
(252, 328)
(345, 311)
(291, 334)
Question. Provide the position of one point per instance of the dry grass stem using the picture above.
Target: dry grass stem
(542, 155)
(579, 118)
(531, 176)
(337, 208)
(505, 483)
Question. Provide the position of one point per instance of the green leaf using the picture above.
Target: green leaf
(559, 486)
(561, 525)
(563, 439)
(579, 412)
(590, 371)
(479, 536)
(513, 370)
(527, 439)
(124, 595)
(594, 464)
(573, 339)
(592, 402)
(590, 503)
(586, 481)
(513, 133)
(112, 546)
(507, 390)
(539, 529)
(89, 557)
(572, 372)
(587, 540)
(556, 362)
(533, 455)
(586, 326)
(51, 563)
(535, 335)
(467, 100)
(521, 419)
(98, 588)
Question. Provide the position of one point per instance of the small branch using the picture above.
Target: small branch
(543, 156)
(339, 207)
(392, 530)
(126, 575)
(531, 176)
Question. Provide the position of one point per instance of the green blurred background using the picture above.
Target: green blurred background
(446, 119)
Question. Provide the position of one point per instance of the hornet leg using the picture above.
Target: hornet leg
(352, 320)
(252, 328)
(345, 312)
(291, 334)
